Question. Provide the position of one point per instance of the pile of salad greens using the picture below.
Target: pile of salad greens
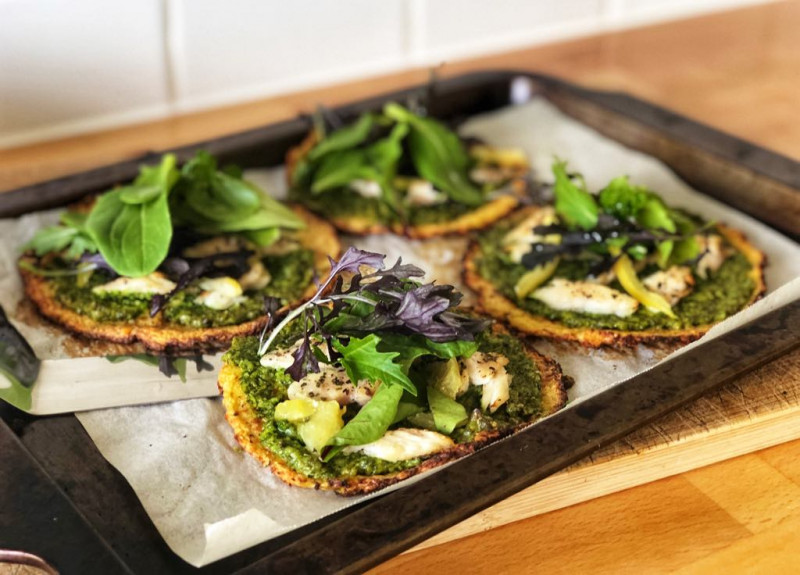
(388, 149)
(622, 219)
(375, 326)
(130, 229)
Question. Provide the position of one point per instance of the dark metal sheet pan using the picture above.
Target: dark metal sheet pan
(71, 507)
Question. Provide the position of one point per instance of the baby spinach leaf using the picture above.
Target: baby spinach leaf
(371, 422)
(206, 194)
(134, 238)
(138, 194)
(447, 413)
(344, 138)
(362, 360)
(574, 204)
(405, 409)
(438, 155)
(339, 169)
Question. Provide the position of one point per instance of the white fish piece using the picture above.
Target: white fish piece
(257, 277)
(366, 188)
(518, 241)
(280, 358)
(713, 254)
(154, 283)
(216, 245)
(219, 293)
(674, 283)
(489, 371)
(603, 278)
(585, 297)
(404, 443)
(331, 384)
(422, 193)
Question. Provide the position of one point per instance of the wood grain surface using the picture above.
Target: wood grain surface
(737, 71)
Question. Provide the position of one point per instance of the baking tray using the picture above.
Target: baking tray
(61, 500)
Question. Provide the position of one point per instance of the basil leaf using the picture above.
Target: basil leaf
(574, 205)
(344, 138)
(438, 155)
(362, 360)
(371, 422)
(447, 413)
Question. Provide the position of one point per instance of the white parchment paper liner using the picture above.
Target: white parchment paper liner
(209, 500)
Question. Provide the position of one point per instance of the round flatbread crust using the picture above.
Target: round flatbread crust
(247, 429)
(497, 305)
(318, 236)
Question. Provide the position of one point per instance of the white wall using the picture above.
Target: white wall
(73, 66)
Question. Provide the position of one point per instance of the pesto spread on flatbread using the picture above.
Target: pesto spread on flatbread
(617, 267)
(403, 172)
(379, 378)
(178, 260)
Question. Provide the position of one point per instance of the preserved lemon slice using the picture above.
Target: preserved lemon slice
(626, 274)
(294, 410)
(324, 423)
(534, 278)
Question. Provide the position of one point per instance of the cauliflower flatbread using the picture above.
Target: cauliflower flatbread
(618, 283)
(370, 186)
(317, 241)
(390, 380)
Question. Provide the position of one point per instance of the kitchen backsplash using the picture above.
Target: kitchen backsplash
(75, 66)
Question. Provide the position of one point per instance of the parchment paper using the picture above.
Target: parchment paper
(210, 500)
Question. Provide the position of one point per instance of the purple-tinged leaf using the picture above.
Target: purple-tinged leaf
(304, 361)
(354, 258)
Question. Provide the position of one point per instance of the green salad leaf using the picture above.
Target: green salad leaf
(344, 138)
(574, 204)
(340, 168)
(438, 155)
(371, 422)
(70, 235)
(447, 413)
(362, 360)
(134, 238)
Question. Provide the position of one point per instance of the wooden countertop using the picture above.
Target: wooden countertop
(738, 71)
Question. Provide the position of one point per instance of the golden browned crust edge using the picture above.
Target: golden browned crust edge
(247, 428)
(318, 236)
(495, 304)
(476, 219)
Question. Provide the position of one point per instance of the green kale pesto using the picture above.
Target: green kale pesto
(266, 387)
(291, 275)
(346, 203)
(722, 294)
